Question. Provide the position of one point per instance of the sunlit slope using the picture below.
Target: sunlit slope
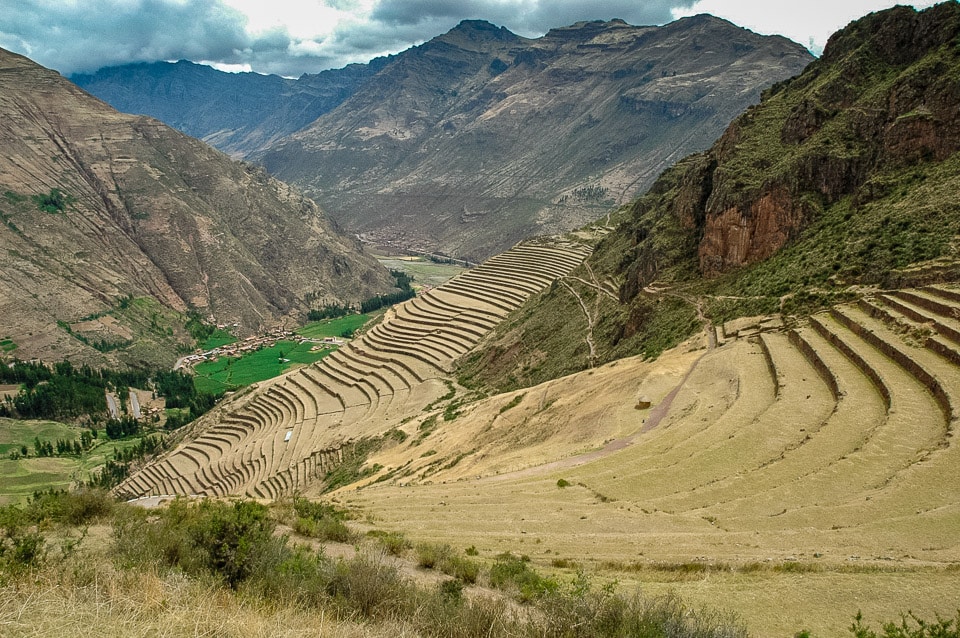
(827, 440)
(285, 434)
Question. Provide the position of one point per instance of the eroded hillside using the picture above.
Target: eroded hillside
(110, 214)
(479, 138)
(842, 177)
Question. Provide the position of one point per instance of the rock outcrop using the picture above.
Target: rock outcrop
(883, 96)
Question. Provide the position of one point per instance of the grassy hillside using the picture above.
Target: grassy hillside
(243, 569)
(841, 179)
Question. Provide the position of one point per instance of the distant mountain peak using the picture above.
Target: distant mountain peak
(477, 31)
(588, 27)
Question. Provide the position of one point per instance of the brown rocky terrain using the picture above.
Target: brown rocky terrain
(850, 125)
(479, 137)
(112, 214)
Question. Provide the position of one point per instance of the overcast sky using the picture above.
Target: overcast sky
(291, 37)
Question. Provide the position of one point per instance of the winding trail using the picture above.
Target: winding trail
(590, 322)
(653, 420)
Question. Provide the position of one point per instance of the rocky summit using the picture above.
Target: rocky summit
(116, 226)
(479, 137)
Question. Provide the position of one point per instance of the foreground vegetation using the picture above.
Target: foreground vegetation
(83, 563)
(227, 558)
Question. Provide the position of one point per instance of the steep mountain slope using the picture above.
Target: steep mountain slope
(841, 177)
(239, 113)
(100, 209)
(480, 137)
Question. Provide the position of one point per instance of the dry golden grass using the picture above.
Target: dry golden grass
(86, 597)
(812, 506)
(748, 484)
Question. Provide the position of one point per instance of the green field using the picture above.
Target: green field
(423, 271)
(333, 327)
(228, 373)
(7, 345)
(217, 339)
(22, 477)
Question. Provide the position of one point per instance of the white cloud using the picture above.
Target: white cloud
(290, 37)
(810, 23)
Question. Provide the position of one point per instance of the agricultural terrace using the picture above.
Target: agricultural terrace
(227, 364)
(290, 431)
(813, 462)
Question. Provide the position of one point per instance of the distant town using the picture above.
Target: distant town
(252, 344)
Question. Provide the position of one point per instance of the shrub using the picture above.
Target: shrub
(223, 539)
(510, 572)
(910, 626)
(369, 587)
(231, 537)
(430, 555)
(461, 568)
(444, 558)
(20, 551)
(395, 543)
(451, 590)
(320, 520)
(326, 529)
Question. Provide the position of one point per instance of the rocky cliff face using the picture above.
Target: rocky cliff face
(100, 208)
(883, 98)
(480, 137)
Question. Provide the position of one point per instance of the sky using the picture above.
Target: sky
(292, 37)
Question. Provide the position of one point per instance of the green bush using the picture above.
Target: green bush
(324, 529)
(368, 587)
(395, 543)
(463, 569)
(910, 626)
(431, 555)
(20, 551)
(223, 539)
(510, 572)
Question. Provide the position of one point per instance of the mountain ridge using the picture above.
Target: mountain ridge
(840, 179)
(479, 137)
(470, 150)
(101, 209)
(235, 112)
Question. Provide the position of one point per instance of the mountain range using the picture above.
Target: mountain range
(478, 138)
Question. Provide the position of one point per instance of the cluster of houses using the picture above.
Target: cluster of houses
(254, 343)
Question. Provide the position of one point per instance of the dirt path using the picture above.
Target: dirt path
(657, 413)
(586, 313)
